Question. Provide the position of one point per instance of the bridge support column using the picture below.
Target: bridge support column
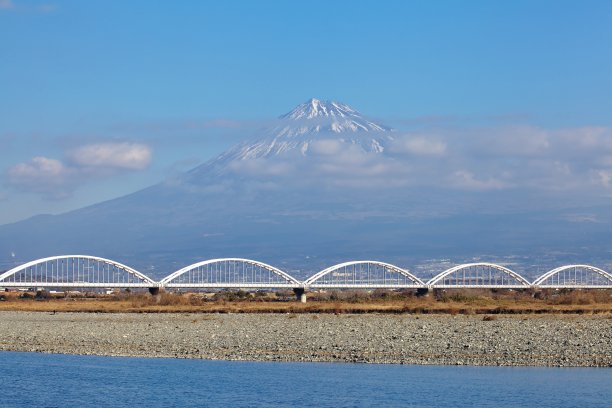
(538, 293)
(300, 294)
(154, 291)
(422, 292)
(436, 293)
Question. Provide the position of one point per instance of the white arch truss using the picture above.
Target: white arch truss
(478, 280)
(75, 271)
(577, 280)
(364, 274)
(223, 273)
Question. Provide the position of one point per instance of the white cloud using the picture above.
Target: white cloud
(129, 156)
(518, 141)
(420, 146)
(262, 167)
(586, 142)
(476, 159)
(326, 146)
(58, 179)
(521, 140)
(603, 178)
(464, 179)
(333, 163)
(41, 175)
(506, 141)
(39, 167)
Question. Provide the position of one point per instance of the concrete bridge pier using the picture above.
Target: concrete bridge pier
(154, 291)
(300, 294)
(422, 292)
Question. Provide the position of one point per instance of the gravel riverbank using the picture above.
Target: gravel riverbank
(409, 339)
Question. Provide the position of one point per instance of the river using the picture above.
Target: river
(53, 380)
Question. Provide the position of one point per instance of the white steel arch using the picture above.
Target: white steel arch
(438, 280)
(575, 281)
(42, 277)
(358, 274)
(200, 275)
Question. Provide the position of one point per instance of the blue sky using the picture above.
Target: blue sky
(174, 83)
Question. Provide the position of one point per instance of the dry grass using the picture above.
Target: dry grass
(452, 302)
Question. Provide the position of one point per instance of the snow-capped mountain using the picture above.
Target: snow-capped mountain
(311, 122)
(322, 187)
(330, 115)
(316, 108)
(316, 116)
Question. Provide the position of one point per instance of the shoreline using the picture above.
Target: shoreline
(237, 360)
(504, 340)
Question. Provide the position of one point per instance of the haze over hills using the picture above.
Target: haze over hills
(323, 184)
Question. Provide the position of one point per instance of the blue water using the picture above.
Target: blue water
(45, 380)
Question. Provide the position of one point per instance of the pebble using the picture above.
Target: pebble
(550, 340)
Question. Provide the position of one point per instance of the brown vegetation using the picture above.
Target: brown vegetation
(488, 302)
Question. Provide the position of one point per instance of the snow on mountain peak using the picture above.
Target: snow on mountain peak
(312, 124)
(314, 108)
(317, 116)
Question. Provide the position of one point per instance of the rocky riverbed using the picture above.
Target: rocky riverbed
(408, 339)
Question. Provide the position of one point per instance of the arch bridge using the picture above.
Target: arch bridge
(478, 275)
(230, 273)
(84, 271)
(364, 274)
(575, 277)
(75, 271)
